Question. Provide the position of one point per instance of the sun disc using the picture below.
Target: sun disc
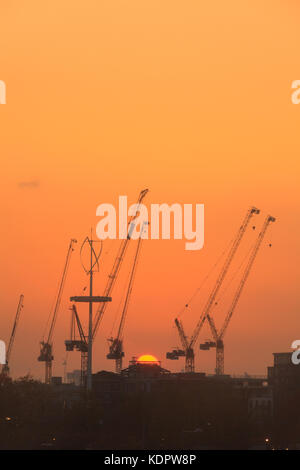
(148, 359)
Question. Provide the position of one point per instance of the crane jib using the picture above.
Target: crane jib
(242, 230)
(116, 267)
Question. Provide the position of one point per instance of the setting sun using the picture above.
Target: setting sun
(148, 358)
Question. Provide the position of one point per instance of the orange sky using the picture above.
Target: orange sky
(189, 99)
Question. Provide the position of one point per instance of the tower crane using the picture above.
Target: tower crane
(116, 347)
(78, 344)
(219, 336)
(188, 346)
(82, 344)
(117, 265)
(5, 369)
(46, 346)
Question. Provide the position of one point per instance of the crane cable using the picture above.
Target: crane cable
(117, 311)
(223, 292)
(51, 311)
(204, 280)
(60, 285)
(116, 315)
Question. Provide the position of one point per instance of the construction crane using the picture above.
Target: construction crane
(117, 265)
(46, 346)
(188, 346)
(116, 347)
(5, 369)
(80, 344)
(218, 337)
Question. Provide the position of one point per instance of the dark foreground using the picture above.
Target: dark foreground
(37, 416)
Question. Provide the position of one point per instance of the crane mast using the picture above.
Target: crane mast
(116, 348)
(189, 351)
(46, 346)
(116, 266)
(5, 369)
(78, 344)
(218, 337)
